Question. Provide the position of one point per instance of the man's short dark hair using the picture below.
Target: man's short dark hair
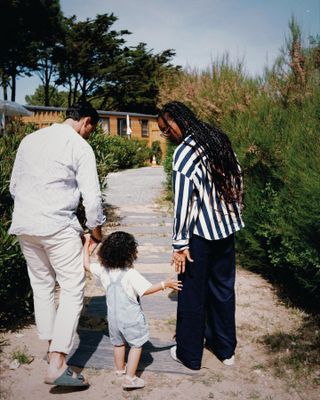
(82, 109)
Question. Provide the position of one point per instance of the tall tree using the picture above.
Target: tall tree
(136, 82)
(90, 55)
(48, 50)
(26, 26)
(57, 99)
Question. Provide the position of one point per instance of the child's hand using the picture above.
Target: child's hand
(173, 284)
(86, 240)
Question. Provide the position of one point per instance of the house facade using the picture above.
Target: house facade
(142, 126)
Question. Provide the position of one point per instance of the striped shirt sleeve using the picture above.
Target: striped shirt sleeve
(182, 189)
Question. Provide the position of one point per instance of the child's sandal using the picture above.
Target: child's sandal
(121, 372)
(132, 383)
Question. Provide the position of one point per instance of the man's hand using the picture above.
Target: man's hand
(179, 260)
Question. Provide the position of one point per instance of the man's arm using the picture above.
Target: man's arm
(88, 183)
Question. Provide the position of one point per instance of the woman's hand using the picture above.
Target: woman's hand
(173, 284)
(179, 260)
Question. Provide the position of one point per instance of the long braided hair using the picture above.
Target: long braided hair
(219, 159)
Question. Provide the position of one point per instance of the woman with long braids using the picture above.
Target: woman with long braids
(208, 199)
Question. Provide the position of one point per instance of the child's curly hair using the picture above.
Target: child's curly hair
(118, 250)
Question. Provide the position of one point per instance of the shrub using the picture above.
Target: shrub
(116, 152)
(156, 151)
(15, 290)
(167, 165)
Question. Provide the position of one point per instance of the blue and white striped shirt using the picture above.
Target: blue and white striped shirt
(198, 210)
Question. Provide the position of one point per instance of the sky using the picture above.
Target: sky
(201, 31)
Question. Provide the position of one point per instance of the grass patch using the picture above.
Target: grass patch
(254, 396)
(259, 367)
(171, 322)
(21, 356)
(297, 354)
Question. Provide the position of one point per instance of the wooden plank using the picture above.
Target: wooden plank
(92, 349)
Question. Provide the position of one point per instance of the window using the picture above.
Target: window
(122, 126)
(144, 127)
(105, 125)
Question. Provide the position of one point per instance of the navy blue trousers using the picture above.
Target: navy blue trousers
(206, 304)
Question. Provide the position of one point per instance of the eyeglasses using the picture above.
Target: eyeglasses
(166, 132)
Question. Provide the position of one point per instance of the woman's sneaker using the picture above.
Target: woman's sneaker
(228, 361)
(173, 353)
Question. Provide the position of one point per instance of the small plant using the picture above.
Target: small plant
(171, 321)
(259, 366)
(21, 356)
(254, 395)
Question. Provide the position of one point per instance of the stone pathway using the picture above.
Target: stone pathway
(138, 213)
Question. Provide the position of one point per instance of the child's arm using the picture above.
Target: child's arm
(86, 252)
(169, 283)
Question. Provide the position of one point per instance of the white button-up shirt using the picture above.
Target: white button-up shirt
(53, 166)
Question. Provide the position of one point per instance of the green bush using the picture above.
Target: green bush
(167, 165)
(156, 151)
(116, 152)
(15, 290)
(282, 217)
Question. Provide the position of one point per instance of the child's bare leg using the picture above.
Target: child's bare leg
(133, 360)
(119, 353)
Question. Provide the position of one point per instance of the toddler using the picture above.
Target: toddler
(124, 285)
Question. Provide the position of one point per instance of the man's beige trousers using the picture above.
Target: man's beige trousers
(57, 257)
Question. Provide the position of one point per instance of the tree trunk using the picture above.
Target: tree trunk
(5, 88)
(69, 95)
(47, 94)
(75, 89)
(13, 86)
(48, 70)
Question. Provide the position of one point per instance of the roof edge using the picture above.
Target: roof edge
(100, 112)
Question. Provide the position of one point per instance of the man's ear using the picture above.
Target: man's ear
(87, 120)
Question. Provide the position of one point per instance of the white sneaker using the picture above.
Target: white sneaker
(228, 361)
(173, 354)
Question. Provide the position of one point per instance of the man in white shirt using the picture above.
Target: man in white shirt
(53, 167)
